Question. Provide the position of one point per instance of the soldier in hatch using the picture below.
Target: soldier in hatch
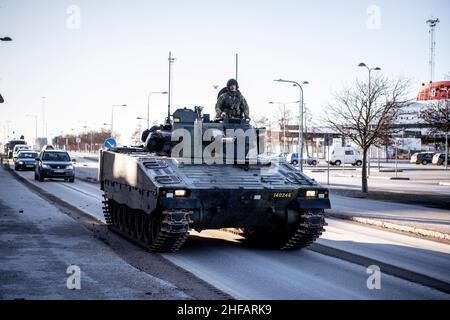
(231, 103)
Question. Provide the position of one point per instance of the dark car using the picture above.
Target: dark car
(422, 158)
(54, 164)
(292, 158)
(25, 160)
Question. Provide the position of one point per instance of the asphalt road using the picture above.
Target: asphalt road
(246, 272)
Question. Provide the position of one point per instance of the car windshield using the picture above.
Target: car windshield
(56, 156)
(27, 155)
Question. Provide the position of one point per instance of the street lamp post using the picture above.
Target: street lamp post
(148, 105)
(300, 127)
(362, 64)
(112, 116)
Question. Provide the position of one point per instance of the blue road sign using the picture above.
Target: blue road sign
(109, 143)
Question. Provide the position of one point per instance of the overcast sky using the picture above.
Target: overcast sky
(116, 52)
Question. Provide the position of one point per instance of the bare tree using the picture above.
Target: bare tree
(136, 135)
(92, 138)
(260, 121)
(283, 118)
(363, 111)
(437, 116)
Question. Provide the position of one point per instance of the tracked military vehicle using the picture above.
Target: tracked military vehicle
(196, 173)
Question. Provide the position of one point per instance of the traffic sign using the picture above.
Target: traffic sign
(109, 143)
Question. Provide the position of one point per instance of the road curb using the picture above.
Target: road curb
(88, 179)
(435, 235)
(372, 177)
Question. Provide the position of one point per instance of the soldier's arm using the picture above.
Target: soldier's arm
(219, 106)
(245, 107)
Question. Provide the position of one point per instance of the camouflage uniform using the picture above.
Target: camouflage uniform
(232, 104)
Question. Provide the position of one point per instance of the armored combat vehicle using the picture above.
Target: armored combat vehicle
(196, 173)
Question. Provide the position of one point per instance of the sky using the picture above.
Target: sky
(85, 56)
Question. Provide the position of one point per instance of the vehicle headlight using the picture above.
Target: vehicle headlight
(20, 162)
(311, 193)
(180, 193)
(45, 166)
(70, 167)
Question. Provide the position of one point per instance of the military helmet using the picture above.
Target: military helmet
(232, 82)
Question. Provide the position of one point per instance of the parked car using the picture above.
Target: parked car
(401, 154)
(54, 164)
(341, 155)
(292, 158)
(422, 158)
(439, 159)
(18, 148)
(25, 160)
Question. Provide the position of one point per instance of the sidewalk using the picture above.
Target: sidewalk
(38, 243)
(418, 220)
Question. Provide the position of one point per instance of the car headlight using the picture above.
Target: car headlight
(45, 166)
(180, 193)
(20, 162)
(70, 167)
(311, 193)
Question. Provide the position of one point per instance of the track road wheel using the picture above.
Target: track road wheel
(292, 237)
(139, 225)
(122, 216)
(131, 223)
(147, 231)
(115, 214)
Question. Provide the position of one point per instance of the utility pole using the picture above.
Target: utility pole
(171, 60)
(432, 24)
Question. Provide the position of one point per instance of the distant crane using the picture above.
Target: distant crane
(432, 24)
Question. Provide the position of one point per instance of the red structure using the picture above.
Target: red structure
(439, 90)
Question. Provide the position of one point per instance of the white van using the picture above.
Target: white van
(18, 148)
(348, 154)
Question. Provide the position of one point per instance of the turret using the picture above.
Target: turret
(193, 137)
